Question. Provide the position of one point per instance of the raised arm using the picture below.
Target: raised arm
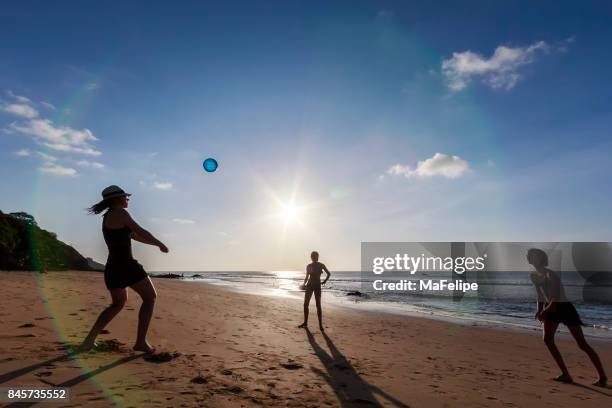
(327, 272)
(140, 234)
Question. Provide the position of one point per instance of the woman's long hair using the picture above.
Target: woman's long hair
(101, 206)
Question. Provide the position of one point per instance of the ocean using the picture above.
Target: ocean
(505, 299)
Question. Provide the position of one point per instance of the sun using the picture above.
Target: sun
(289, 213)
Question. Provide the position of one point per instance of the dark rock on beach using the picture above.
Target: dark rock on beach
(169, 276)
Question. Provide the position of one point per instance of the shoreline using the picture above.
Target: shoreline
(238, 349)
(395, 308)
(374, 307)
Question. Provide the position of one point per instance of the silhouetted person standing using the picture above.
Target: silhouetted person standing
(554, 309)
(312, 283)
(122, 270)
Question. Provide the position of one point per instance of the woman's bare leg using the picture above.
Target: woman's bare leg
(307, 297)
(146, 290)
(550, 328)
(584, 346)
(119, 297)
(319, 309)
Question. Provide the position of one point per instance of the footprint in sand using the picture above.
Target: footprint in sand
(199, 380)
(161, 357)
(234, 389)
(292, 365)
(26, 326)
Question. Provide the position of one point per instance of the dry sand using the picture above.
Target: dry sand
(245, 350)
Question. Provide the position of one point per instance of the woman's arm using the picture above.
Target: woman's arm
(541, 296)
(540, 309)
(140, 234)
(306, 277)
(554, 292)
(137, 238)
(327, 272)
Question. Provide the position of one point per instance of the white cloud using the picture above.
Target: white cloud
(162, 185)
(18, 98)
(183, 221)
(90, 164)
(440, 164)
(563, 46)
(62, 138)
(45, 133)
(91, 86)
(48, 105)
(47, 158)
(58, 170)
(500, 71)
(22, 110)
(23, 152)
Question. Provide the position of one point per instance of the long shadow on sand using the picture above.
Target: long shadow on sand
(591, 388)
(68, 383)
(24, 370)
(350, 388)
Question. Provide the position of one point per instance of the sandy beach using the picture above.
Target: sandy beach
(233, 349)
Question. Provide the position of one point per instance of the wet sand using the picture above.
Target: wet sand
(232, 349)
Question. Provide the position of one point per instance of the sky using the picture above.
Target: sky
(333, 123)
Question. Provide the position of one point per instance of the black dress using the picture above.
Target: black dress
(552, 291)
(565, 313)
(122, 270)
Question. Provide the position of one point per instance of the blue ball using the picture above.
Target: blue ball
(210, 165)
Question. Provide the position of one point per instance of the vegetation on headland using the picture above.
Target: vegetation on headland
(24, 246)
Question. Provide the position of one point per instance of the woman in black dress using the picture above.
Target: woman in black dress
(312, 284)
(553, 309)
(122, 270)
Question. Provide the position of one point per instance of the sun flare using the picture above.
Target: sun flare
(289, 213)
